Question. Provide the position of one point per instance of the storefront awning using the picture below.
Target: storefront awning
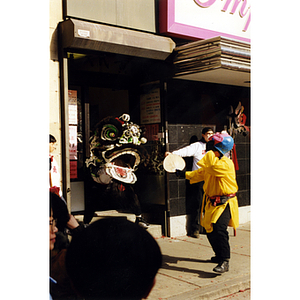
(218, 60)
(91, 36)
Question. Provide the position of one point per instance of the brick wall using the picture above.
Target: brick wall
(179, 136)
(243, 174)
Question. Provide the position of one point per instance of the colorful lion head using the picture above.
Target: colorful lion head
(115, 150)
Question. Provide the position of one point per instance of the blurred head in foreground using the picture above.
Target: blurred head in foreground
(113, 258)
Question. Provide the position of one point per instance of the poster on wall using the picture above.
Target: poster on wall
(73, 151)
(152, 132)
(72, 107)
(150, 107)
(73, 169)
(73, 142)
(72, 101)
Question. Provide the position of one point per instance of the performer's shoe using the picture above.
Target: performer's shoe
(195, 234)
(222, 267)
(142, 222)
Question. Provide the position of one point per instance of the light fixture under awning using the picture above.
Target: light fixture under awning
(91, 36)
(218, 60)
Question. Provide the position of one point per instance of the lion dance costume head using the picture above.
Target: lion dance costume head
(115, 150)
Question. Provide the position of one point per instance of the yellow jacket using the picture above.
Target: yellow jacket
(219, 179)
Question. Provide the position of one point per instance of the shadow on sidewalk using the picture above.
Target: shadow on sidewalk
(174, 260)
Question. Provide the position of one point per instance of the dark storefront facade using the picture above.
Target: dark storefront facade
(112, 58)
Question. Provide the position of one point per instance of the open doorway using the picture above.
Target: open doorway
(111, 85)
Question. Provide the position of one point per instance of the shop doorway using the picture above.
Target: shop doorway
(87, 106)
(109, 85)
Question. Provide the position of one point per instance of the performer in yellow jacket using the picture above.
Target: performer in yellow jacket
(220, 202)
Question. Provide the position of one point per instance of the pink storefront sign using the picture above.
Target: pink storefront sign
(204, 19)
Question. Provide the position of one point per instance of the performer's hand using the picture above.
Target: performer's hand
(180, 174)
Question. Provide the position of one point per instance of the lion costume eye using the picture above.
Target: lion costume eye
(109, 133)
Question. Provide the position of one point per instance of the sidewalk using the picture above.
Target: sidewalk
(186, 271)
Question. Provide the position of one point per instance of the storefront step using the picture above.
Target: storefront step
(154, 229)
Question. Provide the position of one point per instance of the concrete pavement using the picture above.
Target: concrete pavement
(187, 273)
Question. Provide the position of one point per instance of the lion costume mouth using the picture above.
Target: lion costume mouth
(127, 157)
(117, 164)
(121, 165)
(122, 174)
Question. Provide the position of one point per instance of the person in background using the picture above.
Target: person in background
(113, 258)
(52, 237)
(52, 229)
(196, 150)
(54, 176)
(65, 224)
